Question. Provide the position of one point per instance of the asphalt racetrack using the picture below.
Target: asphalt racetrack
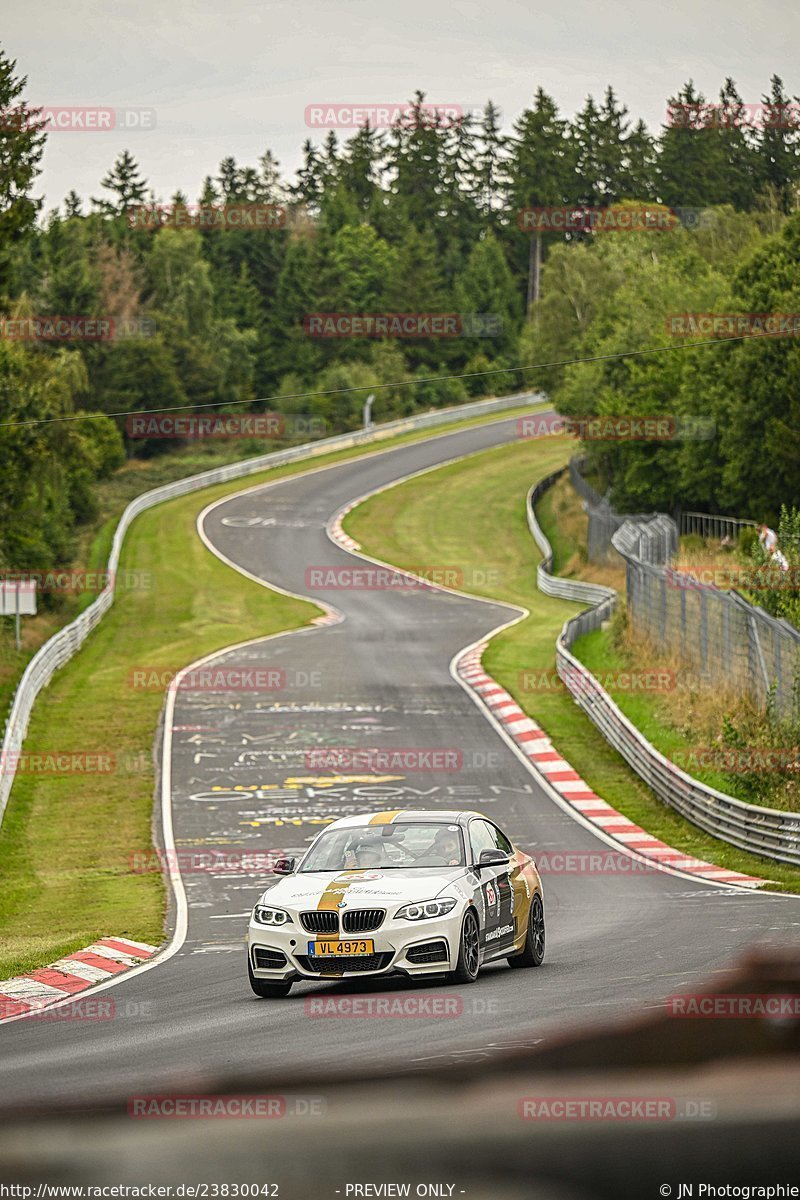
(243, 779)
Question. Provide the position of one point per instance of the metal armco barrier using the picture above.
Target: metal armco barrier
(765, 831)
(705, 525)
(720, 632)
(553, 585)
(60, 648)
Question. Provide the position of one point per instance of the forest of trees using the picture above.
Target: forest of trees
(422, 218)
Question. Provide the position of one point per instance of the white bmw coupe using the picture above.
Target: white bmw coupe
(414, 893)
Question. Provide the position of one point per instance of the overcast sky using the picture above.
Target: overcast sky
(236, 77)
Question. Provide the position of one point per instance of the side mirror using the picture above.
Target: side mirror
(493, 858)
(283, 866)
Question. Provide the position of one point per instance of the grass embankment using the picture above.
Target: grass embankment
(690, 717)
(473, 513)
(66, 841)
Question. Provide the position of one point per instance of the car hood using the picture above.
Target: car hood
(358, 889)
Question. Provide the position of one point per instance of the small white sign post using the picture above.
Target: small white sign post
(368, 411)
(17, 599)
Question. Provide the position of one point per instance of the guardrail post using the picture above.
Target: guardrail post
(759, 654)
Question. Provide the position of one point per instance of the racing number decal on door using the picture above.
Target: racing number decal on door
(495, 885)
(498, 902)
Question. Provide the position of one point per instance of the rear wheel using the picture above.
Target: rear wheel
(267, 990)
(532, 954)
(468, 951)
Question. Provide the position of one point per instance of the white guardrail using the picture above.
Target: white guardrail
(60, 648)
(764, 831)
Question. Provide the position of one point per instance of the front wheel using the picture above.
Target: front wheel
(532, 954)
(267, 990)
(468, 951)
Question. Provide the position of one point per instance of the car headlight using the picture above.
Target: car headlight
(270, 916)
(425, 909)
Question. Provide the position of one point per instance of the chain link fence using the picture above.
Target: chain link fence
(604, 522)
(765, 831)
(734, 642)
(707, 525)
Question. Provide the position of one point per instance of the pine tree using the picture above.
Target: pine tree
(21, 147)
(417, 153)
(541, 172)
(641, 164)
(330, 160)
(309, 186)
(691, 164)
(127, 184)
(460, 222)
(228, 178)
(297, 295)
(485, 287)
(489, 167)
(269, 187)
(209, 195)
(361, 167)
(73, 205)
(600, 136)
(778, 145)
(415, 282)
(740, 156)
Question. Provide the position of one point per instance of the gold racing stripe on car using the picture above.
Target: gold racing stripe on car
(329, 900)
(385, 818)
(523, 894)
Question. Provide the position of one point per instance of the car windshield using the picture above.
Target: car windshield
(388, 847)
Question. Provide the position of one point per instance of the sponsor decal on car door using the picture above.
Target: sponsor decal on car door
(498, 900)
(495, 886)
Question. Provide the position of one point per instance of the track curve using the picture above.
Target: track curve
(374, 672)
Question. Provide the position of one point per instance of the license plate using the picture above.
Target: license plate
(333, 949)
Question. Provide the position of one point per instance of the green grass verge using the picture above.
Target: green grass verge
(472, 513)
(66, 842)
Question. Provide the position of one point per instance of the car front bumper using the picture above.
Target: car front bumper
(393, 943)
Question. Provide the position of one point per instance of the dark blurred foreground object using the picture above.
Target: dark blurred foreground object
(730, 1087)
